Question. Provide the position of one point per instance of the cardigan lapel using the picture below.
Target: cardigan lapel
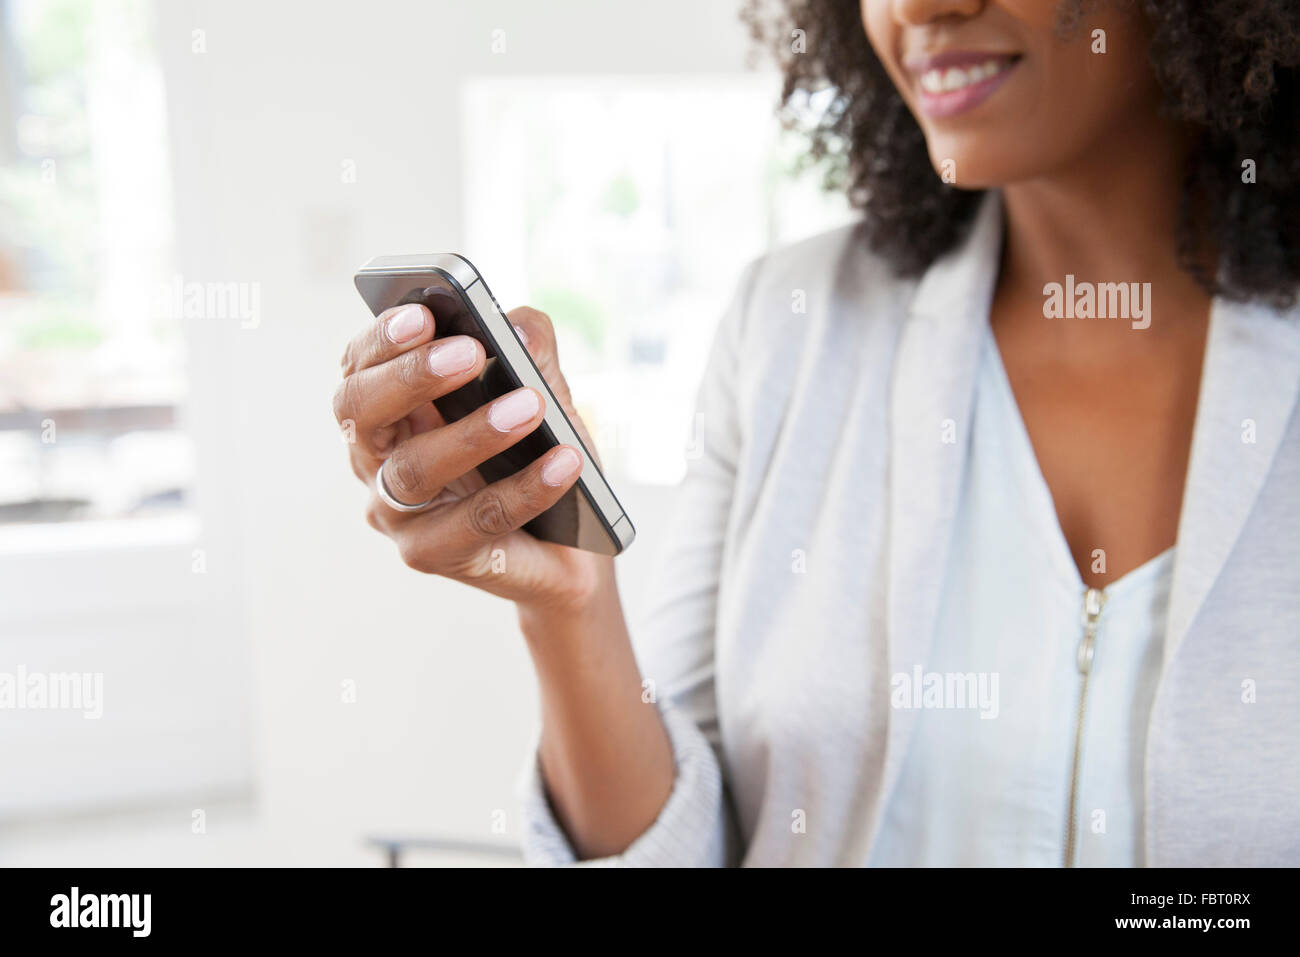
(931, 400)
(1249, 386)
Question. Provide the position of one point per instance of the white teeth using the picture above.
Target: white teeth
(954, 78)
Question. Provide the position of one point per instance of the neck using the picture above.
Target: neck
(1112, 217)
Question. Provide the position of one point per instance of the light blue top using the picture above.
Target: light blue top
(986, 779)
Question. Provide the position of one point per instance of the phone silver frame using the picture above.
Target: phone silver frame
(603, 526)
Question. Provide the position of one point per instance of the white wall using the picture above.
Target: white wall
(262, 123)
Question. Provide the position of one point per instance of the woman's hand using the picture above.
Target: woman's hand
(471, 531)
(605, 755)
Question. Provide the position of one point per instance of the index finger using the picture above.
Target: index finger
(393, 332)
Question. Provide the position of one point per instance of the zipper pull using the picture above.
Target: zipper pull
(1093, 600)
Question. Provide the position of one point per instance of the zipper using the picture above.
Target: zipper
(1093, 601)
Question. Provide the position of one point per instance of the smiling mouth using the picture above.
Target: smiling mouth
(953, 84)
(940, 80)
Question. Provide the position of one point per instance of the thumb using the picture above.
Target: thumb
(538, 336)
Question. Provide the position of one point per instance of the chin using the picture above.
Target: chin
(982, 165)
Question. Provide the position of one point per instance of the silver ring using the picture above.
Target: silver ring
(382, 488)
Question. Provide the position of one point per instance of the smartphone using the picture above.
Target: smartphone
(589, 515)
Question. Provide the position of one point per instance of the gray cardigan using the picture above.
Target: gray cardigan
(805, 558)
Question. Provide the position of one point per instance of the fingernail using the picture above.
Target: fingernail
(452, 356)
(405, 324)
(513, 410)
(563, 465)
(523, 336)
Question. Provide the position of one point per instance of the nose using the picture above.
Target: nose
(916, 13)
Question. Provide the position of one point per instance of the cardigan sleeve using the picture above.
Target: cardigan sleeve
(675, 642)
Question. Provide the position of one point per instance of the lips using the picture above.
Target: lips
(956, 81)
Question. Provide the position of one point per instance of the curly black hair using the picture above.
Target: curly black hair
(1228, 70)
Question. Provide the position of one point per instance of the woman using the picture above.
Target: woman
(989, 555)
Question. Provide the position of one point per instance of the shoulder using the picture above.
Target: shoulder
(828, 275)
(815, 316)
(827, 298)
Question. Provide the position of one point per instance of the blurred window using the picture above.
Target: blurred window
(91, 352)
(626, 210)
